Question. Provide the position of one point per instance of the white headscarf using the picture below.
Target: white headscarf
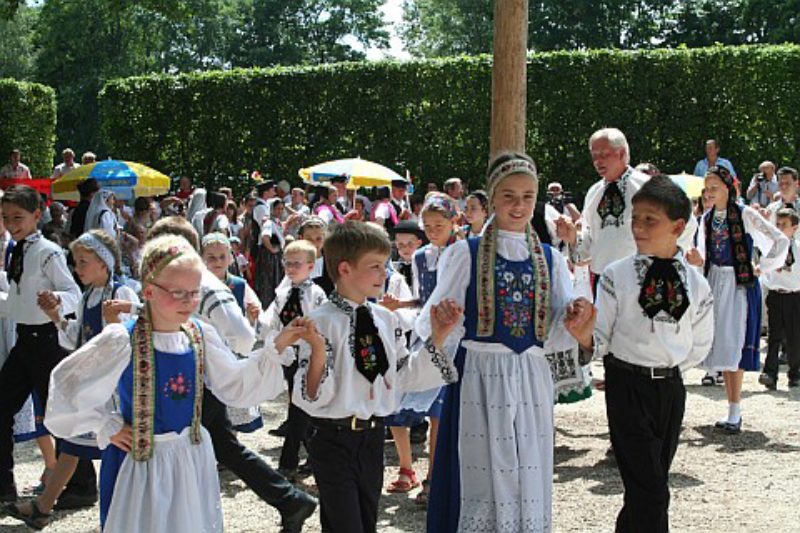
(197, 203)
(98, 204)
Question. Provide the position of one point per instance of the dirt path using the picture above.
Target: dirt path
(719, 483)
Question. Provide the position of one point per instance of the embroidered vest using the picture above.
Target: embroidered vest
(514, 301)
(237, 287)
(92, 319)
(146, 388)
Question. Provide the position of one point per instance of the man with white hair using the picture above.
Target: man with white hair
(605, 235)
(69, 164)
(763, 185)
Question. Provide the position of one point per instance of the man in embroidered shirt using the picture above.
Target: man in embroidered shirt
(14, 168)
(655, 319)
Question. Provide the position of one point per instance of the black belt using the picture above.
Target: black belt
(646, 371)
(48, 327)
(351, 423)
(783, 291)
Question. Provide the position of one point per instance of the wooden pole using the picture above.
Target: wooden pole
(509, 76)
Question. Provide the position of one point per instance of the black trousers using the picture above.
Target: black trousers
(28, 369)
(644, 418)
(268, 484)
(784, 329)
(297, 426)
(348, 469)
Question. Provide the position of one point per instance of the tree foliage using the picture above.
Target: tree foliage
(28, 122)
(17, 50)
(452, 27)
(432, 116)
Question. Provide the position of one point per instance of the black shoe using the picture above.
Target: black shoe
(708, 381)
(304, 506)
(768, 381)
(419, 433)
(8, 494)
(304, 470)
(71, 500)
(280, 431)
(734, 429)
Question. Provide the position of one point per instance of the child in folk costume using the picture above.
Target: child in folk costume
(97, 260)
(217, 256)
(439, 220)
(494, 462)
(297, 296)
(351, 374)
(783, 303)
(727, 235)
(655, 320)
(476, 212)
(160, 473)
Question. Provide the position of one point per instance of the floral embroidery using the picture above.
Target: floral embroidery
(367, 352)
(178, 388)
(515, 296)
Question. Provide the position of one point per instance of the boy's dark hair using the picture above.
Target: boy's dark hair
(660, 190)
(24, 197)
(789, 213)
(788, 170)
(350, 241)
(175, 226)
(216, 200)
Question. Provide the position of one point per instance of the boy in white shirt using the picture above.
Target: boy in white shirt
(783, 303)
(351, 373)
(655, 320)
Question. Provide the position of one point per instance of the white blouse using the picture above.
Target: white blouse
(454, 279)
(785, 278)
(83, 384)
(218, 306)
(343, 391)
(623, 328)
(773, 244)
(69, 331)
(398, 287)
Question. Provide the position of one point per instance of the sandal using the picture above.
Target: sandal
(422, 497)
(405, 482)
(36, 520)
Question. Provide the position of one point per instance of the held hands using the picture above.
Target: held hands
(580, 319)
(124, 439)
(694, 258)
(300, 328)
(444, 318)
(113, 308)
(50, 304)
(253, 311)
(566, 230)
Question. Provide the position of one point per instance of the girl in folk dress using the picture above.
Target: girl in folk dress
(494, 465)
(97, 260)
(726, 238)
(269, 260)
(159, 474)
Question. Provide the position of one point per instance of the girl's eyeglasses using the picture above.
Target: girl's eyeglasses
(180, 294)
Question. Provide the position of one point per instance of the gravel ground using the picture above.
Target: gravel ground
(719, 483)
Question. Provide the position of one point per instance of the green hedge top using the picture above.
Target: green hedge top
(28, 122)
(432, 117)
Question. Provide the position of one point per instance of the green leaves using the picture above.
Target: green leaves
(28, 122)
(432, 117)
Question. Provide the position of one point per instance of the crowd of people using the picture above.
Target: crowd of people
(147, 335)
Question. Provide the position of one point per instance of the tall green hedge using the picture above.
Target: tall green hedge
(432, 117)
(28, 122)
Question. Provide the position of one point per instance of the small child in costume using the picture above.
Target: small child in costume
(159, 474)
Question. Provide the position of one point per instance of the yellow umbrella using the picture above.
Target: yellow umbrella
(126, 179)
(360, 173)
(691, 185)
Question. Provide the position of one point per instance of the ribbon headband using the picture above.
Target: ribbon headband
(215, 238)
(158, 261)
(513, 166)
(102, 251)
(440, 202)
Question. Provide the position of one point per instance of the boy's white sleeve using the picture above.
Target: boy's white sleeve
(702, 327)
(424, 368)
(82, 387)
(55, 269)
(327, 384)
(607, 311)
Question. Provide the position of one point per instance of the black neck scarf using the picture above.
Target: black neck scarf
(742, 261)
(370, 354)
(15, 265)
(292, 308)
(663, 290)
(612, 204)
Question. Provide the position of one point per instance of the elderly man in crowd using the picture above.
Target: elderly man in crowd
(68, 155)
(763, 185)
